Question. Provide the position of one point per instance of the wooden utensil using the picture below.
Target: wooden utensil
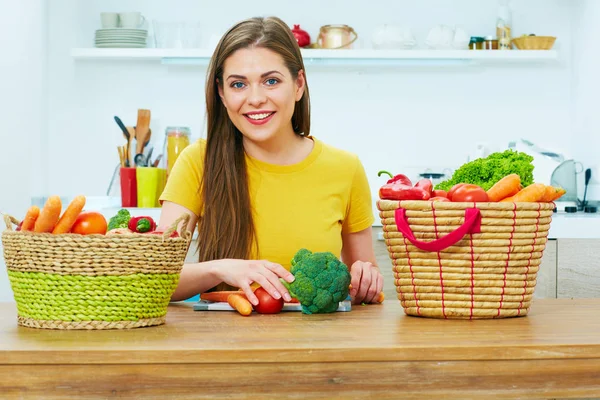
(142, 130)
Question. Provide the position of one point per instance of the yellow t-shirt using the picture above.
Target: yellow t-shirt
(304, 205)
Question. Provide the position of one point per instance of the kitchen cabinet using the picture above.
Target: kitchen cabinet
(578, 268)
(546, 277)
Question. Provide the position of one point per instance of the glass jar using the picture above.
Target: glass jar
(476, 43)
(490, 43)
(177, 138)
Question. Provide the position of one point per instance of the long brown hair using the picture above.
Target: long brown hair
(226, 229)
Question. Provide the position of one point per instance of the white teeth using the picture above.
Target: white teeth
(259, 116)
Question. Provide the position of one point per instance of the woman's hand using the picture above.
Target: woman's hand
(242, 273)
(367, 282)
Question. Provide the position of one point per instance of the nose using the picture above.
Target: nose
(256, 96)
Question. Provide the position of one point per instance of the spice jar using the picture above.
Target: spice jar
(177, 138)
(476, 43)
(490, 43)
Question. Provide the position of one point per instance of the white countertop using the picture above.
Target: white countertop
(578, 225)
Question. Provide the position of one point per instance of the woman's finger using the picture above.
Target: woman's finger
(365, 282)
(356, 274)
(249, 294)
(379, 282)
(279, 271)
(273, 273)
(272, 286)
(373, 292)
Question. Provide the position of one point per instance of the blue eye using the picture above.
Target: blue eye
(272, 81)
(237, 85)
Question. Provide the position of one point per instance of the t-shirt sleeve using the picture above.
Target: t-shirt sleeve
(183, 183)
(360, 210)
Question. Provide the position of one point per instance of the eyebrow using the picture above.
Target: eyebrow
(262, 76)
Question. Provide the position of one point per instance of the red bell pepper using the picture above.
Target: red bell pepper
(426, 185)
(395, 191)
(141, 224)
(401, 179)
(400, 187)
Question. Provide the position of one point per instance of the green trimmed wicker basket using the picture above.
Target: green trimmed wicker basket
(70, 281)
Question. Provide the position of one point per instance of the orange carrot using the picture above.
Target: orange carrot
(65, 223)
(49, 215)
(221, 296)
(509, 199)
(505, 187)
(380, 297)
(532, 193)
(552, 193)
(30, 217)
(240, 303)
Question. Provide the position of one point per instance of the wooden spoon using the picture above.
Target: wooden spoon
(142, 130)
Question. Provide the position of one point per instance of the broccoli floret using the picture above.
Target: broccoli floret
(485, 172)
(120, 220)
(322, 281)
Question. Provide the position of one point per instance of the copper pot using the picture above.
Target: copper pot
(336, 37)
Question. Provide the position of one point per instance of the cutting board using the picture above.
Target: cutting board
(204, 305)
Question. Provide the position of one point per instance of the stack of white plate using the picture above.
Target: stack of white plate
(121, 37)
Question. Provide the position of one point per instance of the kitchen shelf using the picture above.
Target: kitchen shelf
(327, 57)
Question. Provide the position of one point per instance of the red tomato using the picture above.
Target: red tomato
(266, 303)
(439, 198)
(470, 193)
(440, 193)
(453, 189)
(90, 222)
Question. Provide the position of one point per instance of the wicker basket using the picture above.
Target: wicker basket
(534, 42)
(465, 260)
(71, 281)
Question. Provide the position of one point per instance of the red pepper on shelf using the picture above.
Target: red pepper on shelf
(401, 179)
(141, 224)
(426, 185)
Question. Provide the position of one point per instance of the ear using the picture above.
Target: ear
(300, 85)
(220, 90)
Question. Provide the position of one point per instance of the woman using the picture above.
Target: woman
(260, 187)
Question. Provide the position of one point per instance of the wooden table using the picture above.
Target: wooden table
(372, 351)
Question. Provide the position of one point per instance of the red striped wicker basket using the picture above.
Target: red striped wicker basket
(465, 260)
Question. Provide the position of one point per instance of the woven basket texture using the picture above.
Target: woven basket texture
(490, 274)
(70, 281)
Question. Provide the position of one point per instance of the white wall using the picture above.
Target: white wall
(23, 163)
(403, 119)
(586, 86)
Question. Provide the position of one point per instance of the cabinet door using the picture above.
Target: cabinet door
(578, 268)
(546, 278)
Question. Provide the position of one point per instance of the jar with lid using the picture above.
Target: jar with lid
(177, 138)
(490, 43)
(476, 43)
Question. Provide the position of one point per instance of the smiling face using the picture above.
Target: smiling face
(260, 94)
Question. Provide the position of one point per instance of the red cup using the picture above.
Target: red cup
(128, 187)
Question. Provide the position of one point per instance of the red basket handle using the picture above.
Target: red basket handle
(472, 224)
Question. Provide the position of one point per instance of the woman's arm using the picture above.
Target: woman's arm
(358, 253)
(199, 277)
